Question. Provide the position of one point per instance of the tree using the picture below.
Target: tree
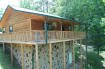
(85, 11)
(39, 5)
(1, 13)
(92, 61)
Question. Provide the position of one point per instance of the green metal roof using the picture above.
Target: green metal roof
(37, 13)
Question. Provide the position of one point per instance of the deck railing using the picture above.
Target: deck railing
(38, 36)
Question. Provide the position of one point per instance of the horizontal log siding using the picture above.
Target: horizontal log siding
(19, 22)
(37, 25)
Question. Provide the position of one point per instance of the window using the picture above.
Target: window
(10, 28)
(4, 30)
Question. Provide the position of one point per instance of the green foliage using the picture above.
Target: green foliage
(81, 10)
(38, 5)
(97, 36)
(95, 61)
(85, 11)
(31, 4)
(77, 53)
(5, 62)
(1, 13)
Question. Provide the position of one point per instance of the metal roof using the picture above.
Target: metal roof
(37, 13)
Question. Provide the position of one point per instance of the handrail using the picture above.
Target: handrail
(39, 35)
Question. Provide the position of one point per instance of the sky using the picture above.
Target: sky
(5, 3)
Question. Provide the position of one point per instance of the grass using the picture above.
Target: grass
(5, 62)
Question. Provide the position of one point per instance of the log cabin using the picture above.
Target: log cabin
(40, 40)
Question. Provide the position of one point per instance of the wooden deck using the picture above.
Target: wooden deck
(39, 37)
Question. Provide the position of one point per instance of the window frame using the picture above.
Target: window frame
(10, 28)
(4, 30)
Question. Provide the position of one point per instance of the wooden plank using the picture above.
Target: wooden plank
(22, 54)
(80, 55)
(50, 54)
(52, 35)
(37, 58)
(64, 55)
(73, 52)
(3, 47)
(11, 53)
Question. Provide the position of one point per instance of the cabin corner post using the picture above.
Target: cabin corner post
(73, 52)
(80, 54)
(11, 53)
(50, 55)
(37, 59)
(22, 54)
(64, 55)
(3, 47)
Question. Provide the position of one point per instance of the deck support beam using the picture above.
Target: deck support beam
(73, 52)
(64, 55)
(22, 54)
(11, 53)
(3, 47)
(37, 59)
(80, 55)
(50, 54)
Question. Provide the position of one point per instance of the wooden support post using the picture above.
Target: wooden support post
(33, 54)
(61, 31)
(73, 52)
(22, 54)
(86, 28)
(80, 55)
(64, 55)
(50, 55)
(3, 47)
(11, 54)
(37, 62)
(46, 32)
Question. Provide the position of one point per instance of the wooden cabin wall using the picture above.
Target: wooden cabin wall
(37, 25)
(19, 22)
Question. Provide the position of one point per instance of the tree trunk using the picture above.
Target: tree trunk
(98, 52)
